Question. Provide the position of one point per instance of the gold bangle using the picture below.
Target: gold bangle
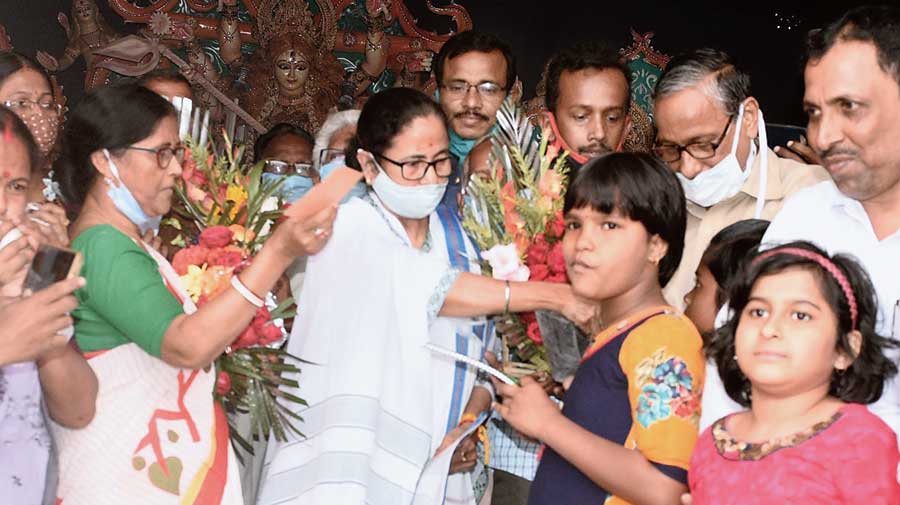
(507, 294)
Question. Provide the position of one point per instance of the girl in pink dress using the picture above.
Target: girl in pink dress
(801, 352)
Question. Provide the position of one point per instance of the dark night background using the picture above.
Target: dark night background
(749, 31)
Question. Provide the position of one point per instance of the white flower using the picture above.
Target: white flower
(505, 263)
(269, 204)
(51, 188)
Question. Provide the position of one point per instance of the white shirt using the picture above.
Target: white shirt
(821, 214)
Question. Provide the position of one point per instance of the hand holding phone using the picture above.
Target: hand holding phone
(50, 265)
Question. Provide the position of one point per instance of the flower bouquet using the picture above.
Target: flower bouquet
(515, 217)
(234, 212)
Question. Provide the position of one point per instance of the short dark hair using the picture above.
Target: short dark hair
(641, 187)
(878, 25)
(474, 41)
(10, 122)
(110, 117)
(728, 250)
(731, 85)
(594, 55)
(13, 61)
(385, 115)
(280, 129)
(864, 380)
(162, 74)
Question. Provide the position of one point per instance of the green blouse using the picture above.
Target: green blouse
(125, 299)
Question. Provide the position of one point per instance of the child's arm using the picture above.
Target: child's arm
(623, 472)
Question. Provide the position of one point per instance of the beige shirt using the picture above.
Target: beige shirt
(785, 177)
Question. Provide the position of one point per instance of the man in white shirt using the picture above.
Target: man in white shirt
(853, 102)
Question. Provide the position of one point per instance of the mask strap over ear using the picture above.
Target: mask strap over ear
(561, 142)
(112, 165)
(763, 153)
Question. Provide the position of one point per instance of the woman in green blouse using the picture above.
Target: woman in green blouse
(157, 436)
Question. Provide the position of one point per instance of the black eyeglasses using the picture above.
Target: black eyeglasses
(328, 155)
(45, 104)
(671, 153)
(415, 170)
(487, 89)
(284, 168)
(164, 155)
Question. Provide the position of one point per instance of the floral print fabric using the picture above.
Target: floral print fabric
(639, 385)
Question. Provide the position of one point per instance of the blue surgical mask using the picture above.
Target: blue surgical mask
(126, 203)
(293, 188)
(357, 191)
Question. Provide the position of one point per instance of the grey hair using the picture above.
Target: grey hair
(721, 79)
(335, 122)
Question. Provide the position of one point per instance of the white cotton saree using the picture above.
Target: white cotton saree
(379, 402)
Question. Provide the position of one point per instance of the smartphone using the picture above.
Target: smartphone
(780, 134)
(51, 265)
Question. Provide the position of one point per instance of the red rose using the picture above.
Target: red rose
(270, 334)
(223, 383)
(537, 253)
(225, 258)
(528, 318)
(534, 333)
(247, 338)
(557, 227)
(216, 236)
(261, 317)
(539, 272)
(556, 260)
(194, 255)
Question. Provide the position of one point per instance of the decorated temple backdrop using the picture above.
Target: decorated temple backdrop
(767, 37)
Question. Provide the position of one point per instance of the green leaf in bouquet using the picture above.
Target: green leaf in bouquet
(178, 241)
(282, 310)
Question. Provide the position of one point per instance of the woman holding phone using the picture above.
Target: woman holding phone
(37, 362)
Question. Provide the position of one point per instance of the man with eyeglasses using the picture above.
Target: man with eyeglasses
(287, 152)
(711, 132)
(475, 71)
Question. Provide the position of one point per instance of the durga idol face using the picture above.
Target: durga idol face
(85, 10)
(291, 73)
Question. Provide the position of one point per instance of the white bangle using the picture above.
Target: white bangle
(246, 293)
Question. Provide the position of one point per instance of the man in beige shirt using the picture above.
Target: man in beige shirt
(712, 134)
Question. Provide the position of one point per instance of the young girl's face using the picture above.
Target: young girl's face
(608, 254)
(700, 303)
(785, 341)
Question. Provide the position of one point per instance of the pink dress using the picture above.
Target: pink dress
(850, 458)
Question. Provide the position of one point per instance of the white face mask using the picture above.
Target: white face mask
(411, 202)
(720, 182)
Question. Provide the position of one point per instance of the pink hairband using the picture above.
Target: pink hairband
(829, 267)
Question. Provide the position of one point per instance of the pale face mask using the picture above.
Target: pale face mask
(411, 202)
(293, 188)
(358, 189)
(126, 203)
(723, 180)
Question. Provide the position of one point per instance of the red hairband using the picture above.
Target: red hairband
(829, 267)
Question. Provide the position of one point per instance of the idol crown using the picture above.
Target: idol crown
(277, 18)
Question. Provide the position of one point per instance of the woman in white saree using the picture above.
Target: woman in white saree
(393, 277)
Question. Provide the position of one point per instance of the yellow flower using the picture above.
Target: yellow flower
(194, 281)
(238, 195)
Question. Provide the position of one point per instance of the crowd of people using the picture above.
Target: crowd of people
(742, 299)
